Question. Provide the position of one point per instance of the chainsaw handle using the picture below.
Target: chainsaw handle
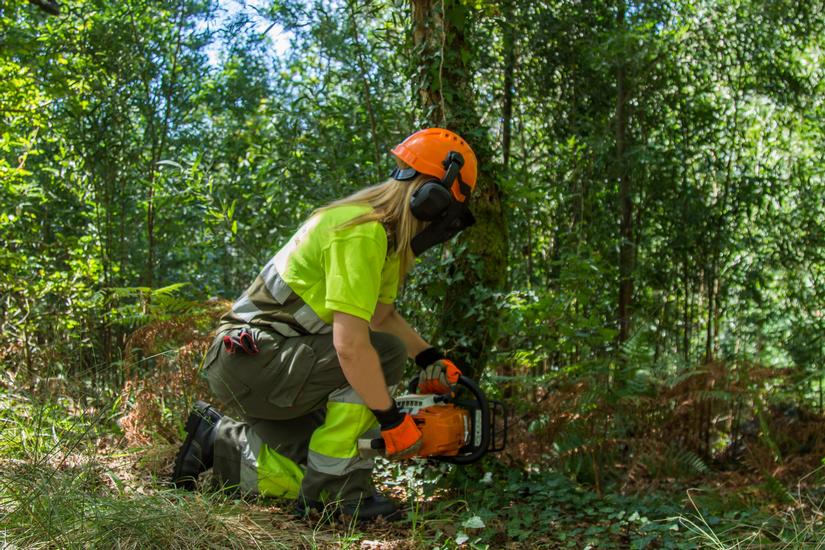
(484, 406)
(463, 380)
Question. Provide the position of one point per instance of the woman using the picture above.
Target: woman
(307, 353)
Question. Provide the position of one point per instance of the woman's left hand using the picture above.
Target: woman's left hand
(437, 372)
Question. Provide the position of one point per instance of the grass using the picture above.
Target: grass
(62, 486)
(70, 509)
(798, 524)
(68, 480)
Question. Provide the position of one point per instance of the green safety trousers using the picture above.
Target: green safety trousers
(299, 420)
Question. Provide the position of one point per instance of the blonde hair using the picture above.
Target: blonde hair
(390, 205)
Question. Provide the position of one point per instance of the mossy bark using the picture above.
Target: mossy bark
(443, 80)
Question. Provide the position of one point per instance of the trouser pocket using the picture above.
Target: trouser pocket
(233, 375)
(225, 380)
(267, 384)
(295, 364)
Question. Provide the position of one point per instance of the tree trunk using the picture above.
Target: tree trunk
(626, 252)
(509, 70)
(686, 314)
(469, 315)
(365, 82)
(158, 136)
(508, 369)
(709, 283)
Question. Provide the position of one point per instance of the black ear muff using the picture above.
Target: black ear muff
(430, 201)
(433, 198)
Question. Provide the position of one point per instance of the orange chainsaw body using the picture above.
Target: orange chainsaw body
(445, 428)
(457, 428)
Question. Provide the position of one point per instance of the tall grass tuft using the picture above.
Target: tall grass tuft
(57, 491)
(800, 524)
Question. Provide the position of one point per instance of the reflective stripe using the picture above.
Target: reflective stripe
(244, 309)
(372, 433)
(273, 282)
(270, 300)
(333, 447)
(337, 466)
(281, 258)
(250, 445)
(345, 395)
(308, 319)
(284, 330)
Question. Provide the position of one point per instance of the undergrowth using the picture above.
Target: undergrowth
(70, 480)
(63, 486)
(74, 475)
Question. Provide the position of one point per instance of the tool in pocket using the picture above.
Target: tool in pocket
(243, 342)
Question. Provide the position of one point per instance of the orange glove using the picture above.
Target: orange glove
(402, 437)
(437, 372)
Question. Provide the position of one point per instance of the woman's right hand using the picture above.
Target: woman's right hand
(402, 438)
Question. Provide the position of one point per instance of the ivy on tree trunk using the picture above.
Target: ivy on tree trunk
(441, 34)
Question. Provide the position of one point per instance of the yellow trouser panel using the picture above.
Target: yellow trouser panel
(333, 448)
(278, 476)
(266, 472)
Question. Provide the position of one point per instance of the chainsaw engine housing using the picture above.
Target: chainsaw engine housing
(459, 427)
(445, 427)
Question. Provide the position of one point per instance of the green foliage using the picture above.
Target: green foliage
(149, 304)
(549, 511)
(719, 520)
(188, 148)
(155, 155)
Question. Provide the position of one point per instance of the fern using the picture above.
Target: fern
(685, 461)
(717, 395)
(144, 305)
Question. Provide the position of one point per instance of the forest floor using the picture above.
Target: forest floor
(70, 479)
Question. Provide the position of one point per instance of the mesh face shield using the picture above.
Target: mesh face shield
(456, 218)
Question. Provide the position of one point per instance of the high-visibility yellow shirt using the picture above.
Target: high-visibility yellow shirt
(340, 269)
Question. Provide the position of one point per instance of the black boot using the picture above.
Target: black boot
(368, 509)
(372, 508)
(195, 455)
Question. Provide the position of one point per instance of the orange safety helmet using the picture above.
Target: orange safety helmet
(427, 150)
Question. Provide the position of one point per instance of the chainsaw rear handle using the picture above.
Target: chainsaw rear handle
(484, 406)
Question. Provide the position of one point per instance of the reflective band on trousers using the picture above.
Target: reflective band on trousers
(333, 448)
(265, 472)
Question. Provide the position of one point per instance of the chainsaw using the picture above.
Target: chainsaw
(459, 427)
